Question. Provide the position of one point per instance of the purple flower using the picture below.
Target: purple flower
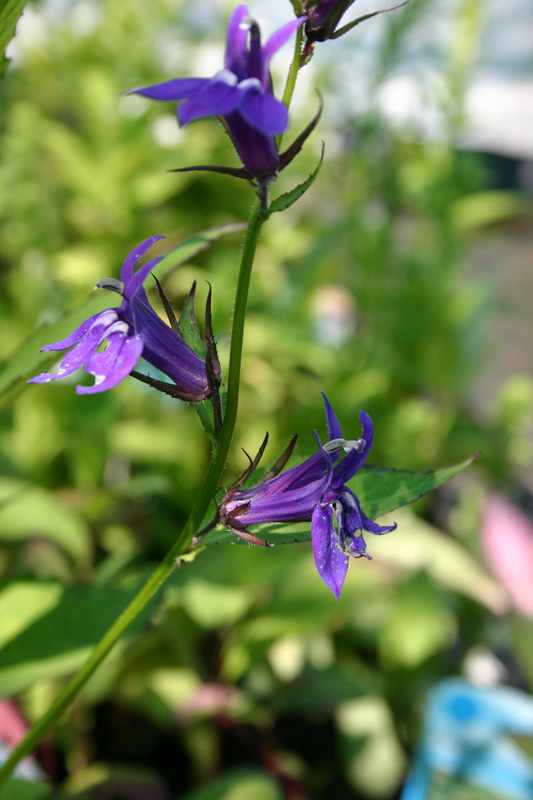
(131, 331)
(315, 490)
(240, 95)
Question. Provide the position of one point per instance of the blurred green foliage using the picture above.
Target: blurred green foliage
(248, 678)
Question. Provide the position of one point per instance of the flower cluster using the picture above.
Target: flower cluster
(109, 344)
(131, 331)
(314, 491)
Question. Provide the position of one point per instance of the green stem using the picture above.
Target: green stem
(295, 66)
(293, 73)
(171, 561)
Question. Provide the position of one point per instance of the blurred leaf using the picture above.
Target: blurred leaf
(186, 250)
(417, 545)
(379, 490)
(10, 11)
(239, 785)
(486, 208)
(418, 625)
(27, 361)
(19, 789)
(29, 512)
(59, 640)
(212, 605)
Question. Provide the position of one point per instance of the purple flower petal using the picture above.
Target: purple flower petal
(130, 262)
(77, 357)
(334, 428)
(165, 349)
(262, 111)
(114, 363)
(277, 40)
(74, 337)
(258, 151)
(236, 43)
(176, 89)
(353, 461)
(135, 283)
(373, 527)
(218, 97)
(331, 562)
(288, 506)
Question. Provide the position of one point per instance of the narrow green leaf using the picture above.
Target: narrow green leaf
(288, 199)
(56, 641)
(27, 361)
(10, 11)
(379, 490)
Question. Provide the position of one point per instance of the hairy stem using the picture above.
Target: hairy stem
(171, 561)
(293, 71)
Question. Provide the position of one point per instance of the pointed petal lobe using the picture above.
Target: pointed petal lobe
(262, 111)
(130, 262)
(176, 89)
(331, 562)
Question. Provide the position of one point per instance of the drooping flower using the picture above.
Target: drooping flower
(240, 95)
(313, 491)
(131, 331)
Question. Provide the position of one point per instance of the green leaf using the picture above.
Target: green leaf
(27, 361)
(10, 11)
(54, 629)
(379, 490)
(383, 490)
(30, 512)
(20, 789)
(288, 199)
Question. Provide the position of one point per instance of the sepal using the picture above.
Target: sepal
(289, 198)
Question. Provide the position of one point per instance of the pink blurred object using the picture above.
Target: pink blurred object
(13, 726)
(507, 539)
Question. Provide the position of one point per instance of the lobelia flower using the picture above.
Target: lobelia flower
(241, 96)
(131, 331)
(315, 490)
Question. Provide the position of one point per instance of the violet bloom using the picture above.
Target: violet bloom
(131, 331)
(240, 95)
(315, 490)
